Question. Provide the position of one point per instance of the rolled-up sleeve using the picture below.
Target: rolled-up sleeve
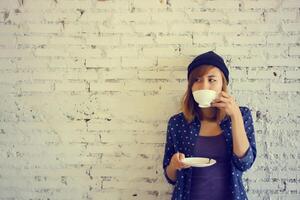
(245, 162)
(169, 149)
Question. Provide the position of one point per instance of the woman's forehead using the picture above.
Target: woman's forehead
(213, 72)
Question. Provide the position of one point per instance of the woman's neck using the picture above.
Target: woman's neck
(208, 114)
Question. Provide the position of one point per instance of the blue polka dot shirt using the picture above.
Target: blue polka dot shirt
(181, 136)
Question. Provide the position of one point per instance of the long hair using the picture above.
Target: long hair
(189, 106)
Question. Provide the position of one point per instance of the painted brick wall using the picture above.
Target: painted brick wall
(87, 87)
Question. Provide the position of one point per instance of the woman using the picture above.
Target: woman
(224, 131)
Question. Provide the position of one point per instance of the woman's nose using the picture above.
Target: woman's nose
(205, 85)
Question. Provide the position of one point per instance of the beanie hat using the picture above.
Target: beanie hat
(209, 58)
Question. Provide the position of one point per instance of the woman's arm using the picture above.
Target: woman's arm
(244, 152)
(169, 151)
(244, 146)
(175, 164)
(239, 136)
(171, 172)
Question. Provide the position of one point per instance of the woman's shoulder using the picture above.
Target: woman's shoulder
(177, 116)
(245, 111)
(244, 108)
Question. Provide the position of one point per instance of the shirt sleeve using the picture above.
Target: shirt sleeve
(169, 150)
(245, 162)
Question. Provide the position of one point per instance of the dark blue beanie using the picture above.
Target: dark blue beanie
(209, 58)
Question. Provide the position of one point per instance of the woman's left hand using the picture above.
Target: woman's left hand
(227, 103)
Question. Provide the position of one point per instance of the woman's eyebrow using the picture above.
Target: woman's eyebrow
(211, 75)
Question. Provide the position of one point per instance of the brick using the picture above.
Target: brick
(148, 4)
(285, 87)
(263, 74)
(246, 40)
(8, 41)
(36, 87)
(251, 86)
(103, 40)
(33, 40)
(294, 51)
(74, 4)
(207, 15)
(15, 53)
(150, 28)
(192, 51)
(9, 4)
(106, 86)
(81, 75)
(114, 29)
(224, 28)
(159, 51)
(138, 62)
(291, 27)
(138, 86)
(122, 52)
(58, 40)
(281, 39)
(102, 62)
(174, 40)
(140, 17)
(261, 4)
(244, 16)
(120, 74)
(208, 39)
(187, 27)
(290, 4)
(51, 52)
(226, 5)
(270, 51)
(261, 28)
(236, 51)
(8, 28)
(68, 86)
(293, 74)
(7, 88)
(43, 28)
(177, 61)
(280, 61)
(278, 16)
(84, 53)
(184, 5)
(135, 40)
(168, 16)
(153, 74)
(238, 74)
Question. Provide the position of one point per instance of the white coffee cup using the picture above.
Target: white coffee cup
(204, 97)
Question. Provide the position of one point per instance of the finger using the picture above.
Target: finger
(220, 100)
(224, 99)
(181, 156)
(186, 166)
(220, 105)
(225, 94)
(177, 155)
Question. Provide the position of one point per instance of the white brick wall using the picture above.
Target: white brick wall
(87, 87)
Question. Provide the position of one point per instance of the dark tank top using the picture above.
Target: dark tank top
(213, 182)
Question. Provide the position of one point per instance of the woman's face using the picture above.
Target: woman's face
(212, 80)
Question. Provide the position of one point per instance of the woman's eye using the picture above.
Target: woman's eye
(212, 80)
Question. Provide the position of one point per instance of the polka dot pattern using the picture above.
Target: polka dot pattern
(181, 136)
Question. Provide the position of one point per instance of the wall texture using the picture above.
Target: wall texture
(87, 87)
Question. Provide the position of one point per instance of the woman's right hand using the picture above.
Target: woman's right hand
(176, 162)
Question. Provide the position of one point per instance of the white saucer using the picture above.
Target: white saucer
(199, 161)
